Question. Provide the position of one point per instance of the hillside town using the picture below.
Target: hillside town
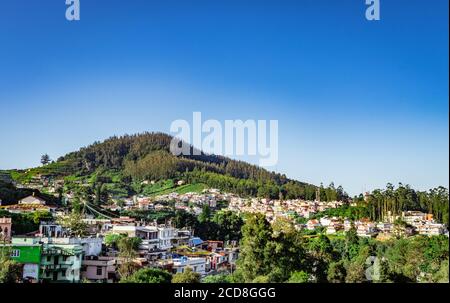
(53, 254)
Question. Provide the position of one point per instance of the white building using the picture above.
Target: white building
(197, 265)
(32, 200)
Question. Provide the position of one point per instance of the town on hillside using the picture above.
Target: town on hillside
(89, 246)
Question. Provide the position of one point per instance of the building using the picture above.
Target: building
(99, 269)
(27, 252)
(411, 217)
(32, 200)
(182, 237)
(214, 245)
(334, 227)
(366, 230)
(195, 242)
(156, 239)
(313, 224)
(431, 229)
(30, 204)
(197, 265)
(89, 246)
(5, 229)
(51, 230)
(348, 225)
(217, 261)
(61, 262)
(325, 221)
(385, 227)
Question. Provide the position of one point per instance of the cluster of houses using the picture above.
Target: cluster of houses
(51, 255)
(48, 183)
(274, 209)
(416, 222)
(190, 202)
(31, 203)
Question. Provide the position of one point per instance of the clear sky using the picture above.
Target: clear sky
(359, 103)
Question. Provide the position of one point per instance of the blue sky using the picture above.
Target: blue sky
(359, 103)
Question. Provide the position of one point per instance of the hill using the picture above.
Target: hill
(146, 156)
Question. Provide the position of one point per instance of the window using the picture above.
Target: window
(49, 258)
(15, 253)
(63, 273)
(99, 270)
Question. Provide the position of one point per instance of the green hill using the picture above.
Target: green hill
(131, 159)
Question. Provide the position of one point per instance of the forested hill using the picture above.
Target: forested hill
(147, 157)
(123, 152)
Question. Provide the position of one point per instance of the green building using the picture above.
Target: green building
(47, 259)
(27, 252)
(61, 262)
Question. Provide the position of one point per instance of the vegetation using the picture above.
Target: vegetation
(148, 275)
(122, 166)
(188, 276)
(222, 226)
(346, 211)
(9, 269)
(107, 172)
(112, 240)
(74, 224)
(26, 222)
(128, 247)
(395, 200)
(280, 254)
(45, 159)
(220, 278)
(147, 157)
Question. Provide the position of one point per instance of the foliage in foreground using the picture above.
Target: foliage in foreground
(148, 275)
(278, 253)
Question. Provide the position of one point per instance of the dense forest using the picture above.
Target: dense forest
(147, 157)
(395, 200)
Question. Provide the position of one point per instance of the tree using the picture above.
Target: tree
(299, 277)
(9, 269)
(356, 268)
(45, 159)
(188, 276)
(253, 260)
(351, 242)
(336, 272)
(441, 276)
(74, 223)
(127, 253)
(285, 251)
(229, 225)
(220, 278)
(205, 214)
(112, 240)
(320, 252)
(184, 219)
(148, 275)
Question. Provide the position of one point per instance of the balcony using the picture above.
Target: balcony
(53, 267)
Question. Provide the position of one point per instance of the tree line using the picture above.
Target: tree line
(391, 200)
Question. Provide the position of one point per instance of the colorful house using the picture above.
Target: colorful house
(27, 252)
(61, 262)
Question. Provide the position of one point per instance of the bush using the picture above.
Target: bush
(188, 276)
(148, 275)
